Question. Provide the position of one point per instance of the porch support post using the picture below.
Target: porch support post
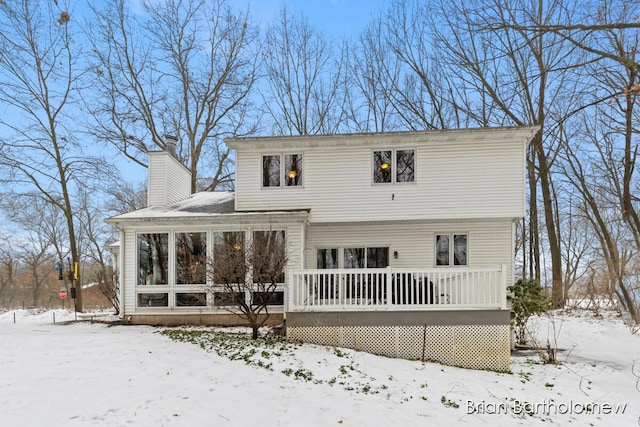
(120, 265)
(287, 292)
(503, 286)
(387, 286)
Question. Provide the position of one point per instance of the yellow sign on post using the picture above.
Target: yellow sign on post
(75, 271)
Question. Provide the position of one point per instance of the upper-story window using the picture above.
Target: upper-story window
(274, 175)
(393, 166)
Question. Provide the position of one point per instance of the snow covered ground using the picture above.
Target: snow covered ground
(79, 374)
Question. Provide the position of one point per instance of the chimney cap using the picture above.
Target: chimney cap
(171, 141)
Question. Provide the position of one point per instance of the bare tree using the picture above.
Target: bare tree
(420, 89)
(125, 197)
(371, 66)
(39, 259)
(600, 149)
(41, 155)
(304, 78)
(7, 274)
(106, 279)
(620, 83)
(95, 234)
(246, 275)
(42, 242)
(579, 241)
(183, 67)
(599, 206)
(519, 76)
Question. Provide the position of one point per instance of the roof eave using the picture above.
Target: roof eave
(366, 138)
(237, 218)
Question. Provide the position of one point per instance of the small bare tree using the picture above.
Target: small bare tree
(184, 67)
(7, 273)
(245, 274)
(302, 95)
(108, 285)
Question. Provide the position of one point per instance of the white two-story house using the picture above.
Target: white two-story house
(399, 243)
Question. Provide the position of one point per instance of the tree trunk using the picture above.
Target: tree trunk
(557, 289)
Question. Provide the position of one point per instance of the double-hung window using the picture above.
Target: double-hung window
(451, 250)
(391, 166)
(280, 170)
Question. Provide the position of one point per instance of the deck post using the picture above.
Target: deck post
(502, 291)
(387, 287)
(287, 293)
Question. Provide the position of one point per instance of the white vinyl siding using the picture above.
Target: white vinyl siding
(454, 179)
(130, 263)
(169, 180)
(489, 243)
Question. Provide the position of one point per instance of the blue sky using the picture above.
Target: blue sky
(336, 18)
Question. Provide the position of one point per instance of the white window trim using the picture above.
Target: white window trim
(187, 286)
(451, 255)
(207, 299)
(341, 249)
(152, 291)
(170, 262)
(394, 166)
(282, 170)
(171, 287)
(339, 255)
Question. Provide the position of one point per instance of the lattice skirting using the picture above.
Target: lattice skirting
(466, 346)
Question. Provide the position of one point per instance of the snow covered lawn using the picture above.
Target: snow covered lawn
(78, 374)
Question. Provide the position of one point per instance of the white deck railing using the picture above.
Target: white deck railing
(397, 289)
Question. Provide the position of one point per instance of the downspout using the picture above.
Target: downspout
(303, 243)
(121, 268)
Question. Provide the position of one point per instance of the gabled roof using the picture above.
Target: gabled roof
(206, 205)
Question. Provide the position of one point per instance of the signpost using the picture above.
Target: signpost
(63, 294)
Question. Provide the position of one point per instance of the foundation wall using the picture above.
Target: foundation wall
(476, 340)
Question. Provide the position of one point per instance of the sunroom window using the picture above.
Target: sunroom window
(191, 299)
(393, 166)
(229, 258)
(153, 300)
(269, 257)
(191, 258)
(451, 249)
(153, 258)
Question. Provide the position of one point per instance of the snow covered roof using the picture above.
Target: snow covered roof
(203, 205)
